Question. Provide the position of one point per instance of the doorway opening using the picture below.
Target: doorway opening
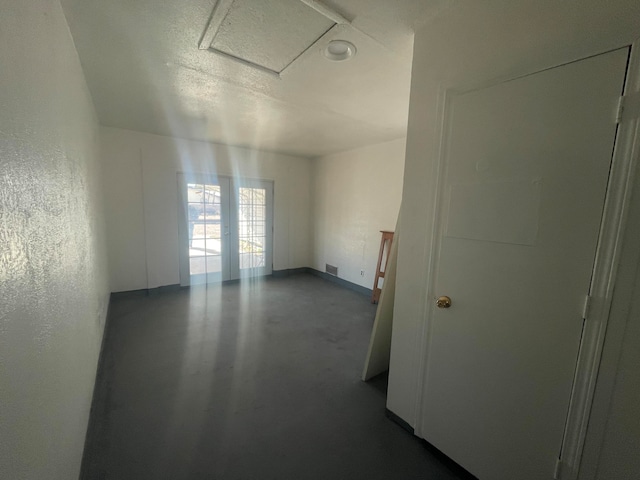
(226, 228)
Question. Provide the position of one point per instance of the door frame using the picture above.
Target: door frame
(229, 239)
(608, 256)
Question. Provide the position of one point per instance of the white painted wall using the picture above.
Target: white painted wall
(357, 193)
(53, 268)
(471, 43)
(142, 201)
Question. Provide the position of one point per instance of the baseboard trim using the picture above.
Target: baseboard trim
(288, 272)
(275, 274)
(89, 435)
(341, 281)
(146, 291)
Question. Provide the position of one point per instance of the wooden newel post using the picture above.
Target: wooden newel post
(385, 249)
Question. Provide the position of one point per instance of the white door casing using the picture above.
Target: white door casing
(525, 165)
(612, 293)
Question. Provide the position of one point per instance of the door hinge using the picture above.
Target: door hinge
(586, 307)
(620, 109)
(628, 107)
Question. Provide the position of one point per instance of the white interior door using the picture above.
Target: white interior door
(524, 184)
(225, 228)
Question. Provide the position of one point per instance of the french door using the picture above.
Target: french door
(225, 228)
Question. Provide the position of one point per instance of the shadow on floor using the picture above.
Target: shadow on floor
(253, 380)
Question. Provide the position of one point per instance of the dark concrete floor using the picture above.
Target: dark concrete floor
(256, 380)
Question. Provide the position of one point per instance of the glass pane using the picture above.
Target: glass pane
(245, 261)
(195, 193)
(214, 264)
(197, 265)
(212, 230)
(258, 196)
(251, 260)
(258, 244)
(212, 212)
(244, 196)
(212, 194)
(251, 229)
(243, 229)
(196, 229)
(259, 260)
(196, 211)
(213, 246)
(197, 247)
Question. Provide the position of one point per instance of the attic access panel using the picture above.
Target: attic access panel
(269, 35)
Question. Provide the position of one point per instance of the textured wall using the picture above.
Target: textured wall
(357, 193)
(53, 285)
(140, 178)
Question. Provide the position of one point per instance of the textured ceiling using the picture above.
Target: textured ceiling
(146, 72)
(271, 34)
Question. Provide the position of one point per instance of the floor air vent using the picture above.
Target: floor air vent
(331, 270)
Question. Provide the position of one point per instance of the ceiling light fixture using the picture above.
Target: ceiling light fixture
(339, 50)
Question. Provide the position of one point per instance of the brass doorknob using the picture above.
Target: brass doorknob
(443, 302)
